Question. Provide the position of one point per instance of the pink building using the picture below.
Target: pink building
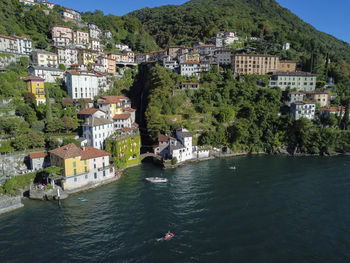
(62, 32)
(81, 38)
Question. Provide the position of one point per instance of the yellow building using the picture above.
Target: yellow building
(287, 66)
(86, 57)
(114, 105)
(35, 85)
(81, 166)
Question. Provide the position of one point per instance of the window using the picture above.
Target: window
(104, 173)
(95, 175)
(85, 168)
(75, 171)
(75, 179)
(86, 176)
(74, 164)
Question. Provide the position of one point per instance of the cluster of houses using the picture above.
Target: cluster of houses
(112, 121)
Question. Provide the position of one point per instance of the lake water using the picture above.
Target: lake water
(270, 209)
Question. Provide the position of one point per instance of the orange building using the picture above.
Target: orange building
(287, 66)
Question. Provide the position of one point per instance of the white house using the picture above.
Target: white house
(50, 75)
(305, 109)
(44, 58)
(190, 68)
(94, 31)
(122, 47)
(297, 96)
(107, 33)
(24, 45)
(185, 137)
(96, 130)
(83, 84)
(123, 120)
(67, 56)
(94, 44)
(8, 44)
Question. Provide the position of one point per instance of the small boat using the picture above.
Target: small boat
(157, 179)
(169, 236)
(233, 168)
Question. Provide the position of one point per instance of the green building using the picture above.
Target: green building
(124, 145)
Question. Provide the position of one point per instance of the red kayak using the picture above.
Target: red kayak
(168, 236)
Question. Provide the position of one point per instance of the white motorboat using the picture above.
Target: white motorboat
(157, 179)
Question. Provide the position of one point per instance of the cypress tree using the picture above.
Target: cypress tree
(48, 106)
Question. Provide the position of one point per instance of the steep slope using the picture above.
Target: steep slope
(201, 19)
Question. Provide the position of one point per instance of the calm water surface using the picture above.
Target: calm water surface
(270, 209)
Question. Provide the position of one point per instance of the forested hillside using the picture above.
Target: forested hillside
(202, 19)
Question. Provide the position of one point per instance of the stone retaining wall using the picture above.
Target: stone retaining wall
(8, 203)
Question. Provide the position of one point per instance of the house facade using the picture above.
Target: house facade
(44, 58)
(293, 97)
(35, 85)
(190, 69)
(223, 56)
(8, 44)
(323, 98)
(81, 38)
(37, 161)
(96, 130)
(305, 109)
(301, 81)
(67, 56)
(287, 66)
(50, 75)
(82, 166)
(254, 64)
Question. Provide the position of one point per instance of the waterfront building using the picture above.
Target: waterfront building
(96, 130)
(305, 109)
(124, 145)
(35, 85)
(50, 75)
(190, 69)
(43, 58)
(301, 81)
(180, 147)
(37, 161)
(82, 166)
(254, 64)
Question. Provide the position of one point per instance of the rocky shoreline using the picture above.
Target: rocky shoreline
(9, 203)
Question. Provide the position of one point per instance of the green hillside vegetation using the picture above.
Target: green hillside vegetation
(199, 20)
(237, 114)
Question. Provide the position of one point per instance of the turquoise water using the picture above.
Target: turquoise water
(270, 209)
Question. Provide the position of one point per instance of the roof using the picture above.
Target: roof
(303, 102)
(325, 92)
(296, 73)
(124, 116)
(289, 61)
(178, 146)
(88, 111)
(183, 132)
(33, 78)
(333, 109)
(71, 150)
(297, 92)
(163, 138)
(112, 99)
(255, 55)
(190, 83)
(66, 151)
(129, 109)
(43, 51)
(46, 68)
(97, 122)
(191, 62)
(37, 155)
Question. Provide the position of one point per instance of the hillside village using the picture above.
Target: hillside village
(108, 136)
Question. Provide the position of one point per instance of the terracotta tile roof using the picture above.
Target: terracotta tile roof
(333, 109)
(124, 116)
(190, 83)
(112, 99)
(33, 78)
(129, 109)
(135, 125)
(37, 155)
(295, 74)
(89, 152)
(88, 111)
(67, 151)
